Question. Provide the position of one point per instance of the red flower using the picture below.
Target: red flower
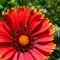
(25, 35)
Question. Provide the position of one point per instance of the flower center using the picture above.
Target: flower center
(23, 40)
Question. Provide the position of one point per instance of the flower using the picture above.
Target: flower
(25, 35)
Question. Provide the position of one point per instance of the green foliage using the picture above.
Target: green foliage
(51, 8)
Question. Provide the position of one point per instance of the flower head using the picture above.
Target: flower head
(25, 35)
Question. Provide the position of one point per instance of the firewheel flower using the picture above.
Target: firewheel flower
(25, 34)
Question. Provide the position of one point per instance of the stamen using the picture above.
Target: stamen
(23, 40)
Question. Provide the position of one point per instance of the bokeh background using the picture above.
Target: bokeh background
(51, 9)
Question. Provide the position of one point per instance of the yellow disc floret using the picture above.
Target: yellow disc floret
(23, 40)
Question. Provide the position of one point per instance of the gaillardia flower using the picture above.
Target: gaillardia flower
(25, 35)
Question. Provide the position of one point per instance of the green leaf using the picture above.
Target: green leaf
(1, 7)
(43, 10)
(2, 1)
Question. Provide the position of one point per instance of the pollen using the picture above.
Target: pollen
(23, 40)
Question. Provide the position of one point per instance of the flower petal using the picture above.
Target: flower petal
(46, 48)
(3, 39)
(43, 39)
(8, 55)
(14, 18)
(26, 56)
(4, 50)
(11, 19)
(15, 56)
(30, 56)
(24, 15)
(7, 28)
(34, 21)
(36, 55)
(3, 31)
(51, 31)
(42, 47)
(43, 57)
(33, 25)
(44, 27)
(21, 56)
(35, 16)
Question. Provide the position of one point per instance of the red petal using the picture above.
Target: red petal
(14, 18)
(51, 31)
(43, 47)
(36, 55)
(51, 45)
(8, 55)
(3, 39)
(15, 56)
(21, 15)
(26, 56)
(35, 16)
(43, 28)
(46, 49)
(43, 39)
(33, 25)
(31, 57)
(7, 27)
(3, 31)
(11, 19)
(24, 15)
(4, 50)
(34, 21)
(21, 56)
(43, 57)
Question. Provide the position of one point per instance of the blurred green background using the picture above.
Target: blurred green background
(51, 9)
